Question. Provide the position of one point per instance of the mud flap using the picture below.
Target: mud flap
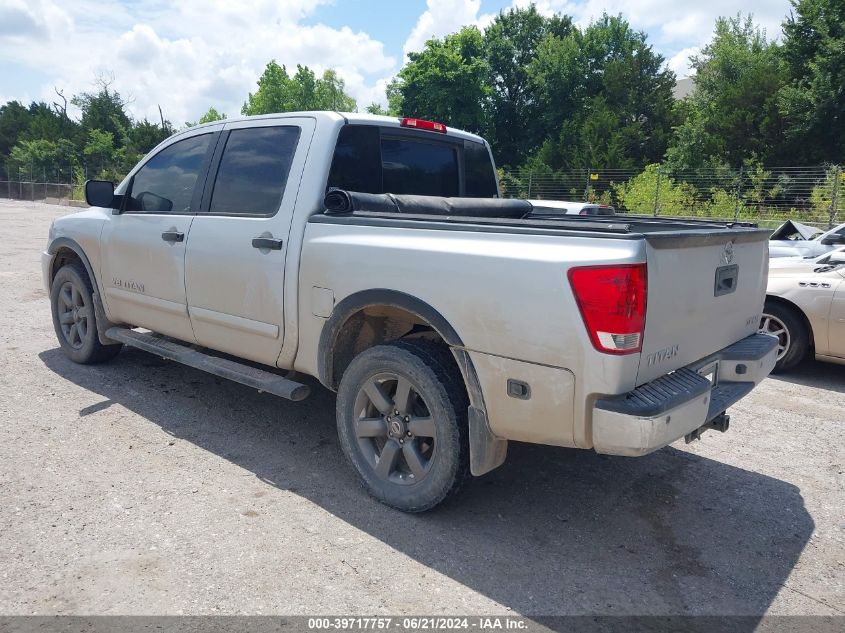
(486, 451)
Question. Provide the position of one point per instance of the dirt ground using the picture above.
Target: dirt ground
(143, 487)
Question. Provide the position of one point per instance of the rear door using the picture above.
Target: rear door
(705, 292)
(235, 261)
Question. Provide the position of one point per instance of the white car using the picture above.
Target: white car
(805, 308)
(563, 207)
(793, 239)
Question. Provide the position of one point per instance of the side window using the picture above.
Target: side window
(480, 177)
(419, 167)
(356, 165)
(254, 170)
(165, 184)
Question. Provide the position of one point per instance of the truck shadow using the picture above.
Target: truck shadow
(552, 532)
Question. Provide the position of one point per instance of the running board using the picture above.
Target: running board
(223, 367)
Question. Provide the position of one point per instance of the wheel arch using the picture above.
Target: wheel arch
(65, 250)
(372, 317)
(790, 305)
(354, 326)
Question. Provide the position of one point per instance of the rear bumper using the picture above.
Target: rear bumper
(668, 408)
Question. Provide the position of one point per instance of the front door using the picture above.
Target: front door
(143, 247)
(235, 261)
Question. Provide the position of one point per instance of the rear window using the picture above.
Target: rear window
(480, 178)
(418, 167)
(371, 159)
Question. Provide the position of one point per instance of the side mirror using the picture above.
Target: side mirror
(833, 239)
(99, 193)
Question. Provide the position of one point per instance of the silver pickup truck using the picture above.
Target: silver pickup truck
(376, 255)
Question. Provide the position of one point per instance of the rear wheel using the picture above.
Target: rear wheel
(72, 303)
(402, 423)
(793, 338)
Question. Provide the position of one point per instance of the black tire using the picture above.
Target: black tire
(425, 470)
(74, 317)
(793, 338)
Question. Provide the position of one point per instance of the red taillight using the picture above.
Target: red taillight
(422, 124)
(612, 301)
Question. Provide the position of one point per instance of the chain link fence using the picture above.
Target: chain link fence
(41, 183)
(769, 197)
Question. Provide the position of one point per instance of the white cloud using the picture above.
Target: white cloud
(185, 56)
(37, 18)
(674, 26)
(679, 63)
(442, 17)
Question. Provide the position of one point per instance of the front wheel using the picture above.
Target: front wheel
(786, 324)
(72, 304)
(402, 423)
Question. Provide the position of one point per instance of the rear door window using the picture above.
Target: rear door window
(254, 170)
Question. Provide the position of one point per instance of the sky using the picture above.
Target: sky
(187, 55)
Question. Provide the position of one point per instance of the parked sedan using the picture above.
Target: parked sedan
(793, 239)
(805, 308)
(563, 207)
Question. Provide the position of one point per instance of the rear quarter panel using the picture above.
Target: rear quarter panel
(506, 295)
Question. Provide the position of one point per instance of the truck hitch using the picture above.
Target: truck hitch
(720, 423)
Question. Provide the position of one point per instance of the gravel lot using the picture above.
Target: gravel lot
(142, 487)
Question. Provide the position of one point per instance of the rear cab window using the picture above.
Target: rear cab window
(375, 159)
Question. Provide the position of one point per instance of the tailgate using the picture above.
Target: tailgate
(705, 292)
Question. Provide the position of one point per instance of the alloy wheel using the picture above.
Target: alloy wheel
(394, 428)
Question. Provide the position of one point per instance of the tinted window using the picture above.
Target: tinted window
(357, 160)
(419, 167)
(165, 184)
(480, 177)
(253, 171)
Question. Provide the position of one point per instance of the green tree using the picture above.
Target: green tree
(278, 92)
(446, 81)
(145, 135)
(212, 115)
(733, 112)
(375, 108)
(33, 158)
(510, 46)
(100, 153)
(14, 123)
(813, 102)
(104, 110)
(330, 94)
(605, 97)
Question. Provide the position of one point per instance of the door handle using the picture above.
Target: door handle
(173, 236)
(272, 243)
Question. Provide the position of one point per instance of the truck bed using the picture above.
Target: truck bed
(512, 215)
(706, 278)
